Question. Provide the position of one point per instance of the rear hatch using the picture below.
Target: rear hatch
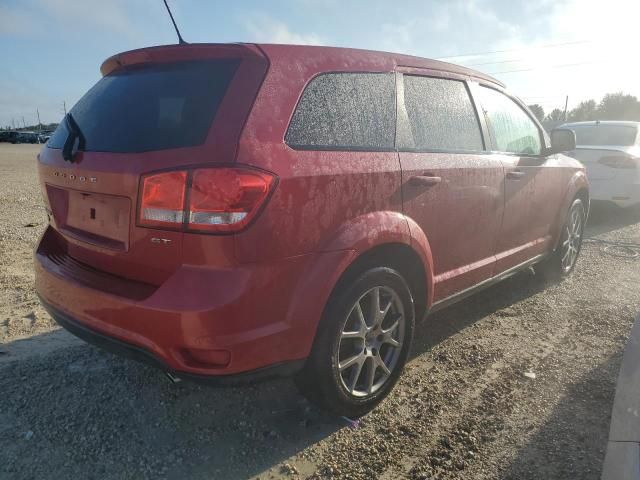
(154, 109)
(602, 162)
(603, 147)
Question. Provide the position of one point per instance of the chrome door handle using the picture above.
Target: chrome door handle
(424, 180)
(515, 174)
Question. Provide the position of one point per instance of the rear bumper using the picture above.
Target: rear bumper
(139, 354)
(623, 194)
(200, 321)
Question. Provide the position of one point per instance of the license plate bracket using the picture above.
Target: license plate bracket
(98, 219)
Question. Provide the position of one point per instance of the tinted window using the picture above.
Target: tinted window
(345, 110)
(441, 115)
(512, 129)
(611, 135)
(152, 107)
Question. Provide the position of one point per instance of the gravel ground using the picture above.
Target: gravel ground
(23, 220)
(466, 406)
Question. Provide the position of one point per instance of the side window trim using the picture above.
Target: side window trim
(404, 136)
(403, 127)
(487, 141)
(337, 148)
(543, 139)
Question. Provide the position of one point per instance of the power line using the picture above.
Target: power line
(492, 63)
(550, 45)
(542, 102)
(542, 96)
(548, 102)
(543, 68)
(547, 106)
(514, 60)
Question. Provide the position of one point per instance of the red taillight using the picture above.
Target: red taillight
(163, 199)
(619, 162)
(225, 199)
(220, 199)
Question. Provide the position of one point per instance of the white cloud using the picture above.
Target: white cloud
(451, 27)
(263, 28)
(399, 37)
(106, 15)
(38, 17)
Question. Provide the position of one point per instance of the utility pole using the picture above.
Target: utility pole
(64, 106)
(39, 123)
(566, 102)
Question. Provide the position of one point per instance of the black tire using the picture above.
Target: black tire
(557, 266)
(321, 380)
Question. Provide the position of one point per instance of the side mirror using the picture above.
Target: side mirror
(562, 140)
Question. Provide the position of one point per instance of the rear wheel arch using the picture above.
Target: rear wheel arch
(400, 257)
(363, 243)
(373, 232)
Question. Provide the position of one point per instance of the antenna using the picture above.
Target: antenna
(180, 39)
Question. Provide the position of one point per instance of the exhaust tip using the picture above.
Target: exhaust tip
(172, 378)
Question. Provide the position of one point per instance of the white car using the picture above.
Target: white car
(610, 151)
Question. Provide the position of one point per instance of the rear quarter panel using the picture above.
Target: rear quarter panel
(319, 195)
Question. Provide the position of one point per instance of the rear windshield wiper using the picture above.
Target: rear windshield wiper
(68, 151)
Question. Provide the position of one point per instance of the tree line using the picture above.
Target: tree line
(613, 106)
(49, 127)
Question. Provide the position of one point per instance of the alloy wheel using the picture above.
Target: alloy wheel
(370, 341)
(573, 239)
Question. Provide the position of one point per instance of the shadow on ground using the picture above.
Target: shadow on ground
(566, 446)
(605, 217)
(445, 323)
(83, 413)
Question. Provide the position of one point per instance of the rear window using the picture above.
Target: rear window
(152, 107)
(345, 111)
(441, 115)
(609, 135)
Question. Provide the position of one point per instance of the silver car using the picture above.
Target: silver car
(610, 151)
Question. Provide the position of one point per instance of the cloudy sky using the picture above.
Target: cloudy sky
(51, 50)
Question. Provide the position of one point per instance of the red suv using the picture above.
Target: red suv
(237, 211)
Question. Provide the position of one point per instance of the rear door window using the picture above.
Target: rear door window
(345, 111)
(441, 115)
(151, 107)
(513, 131)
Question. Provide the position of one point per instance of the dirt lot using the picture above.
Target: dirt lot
(463, 409)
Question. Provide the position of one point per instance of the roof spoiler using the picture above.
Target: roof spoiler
(182, 52)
